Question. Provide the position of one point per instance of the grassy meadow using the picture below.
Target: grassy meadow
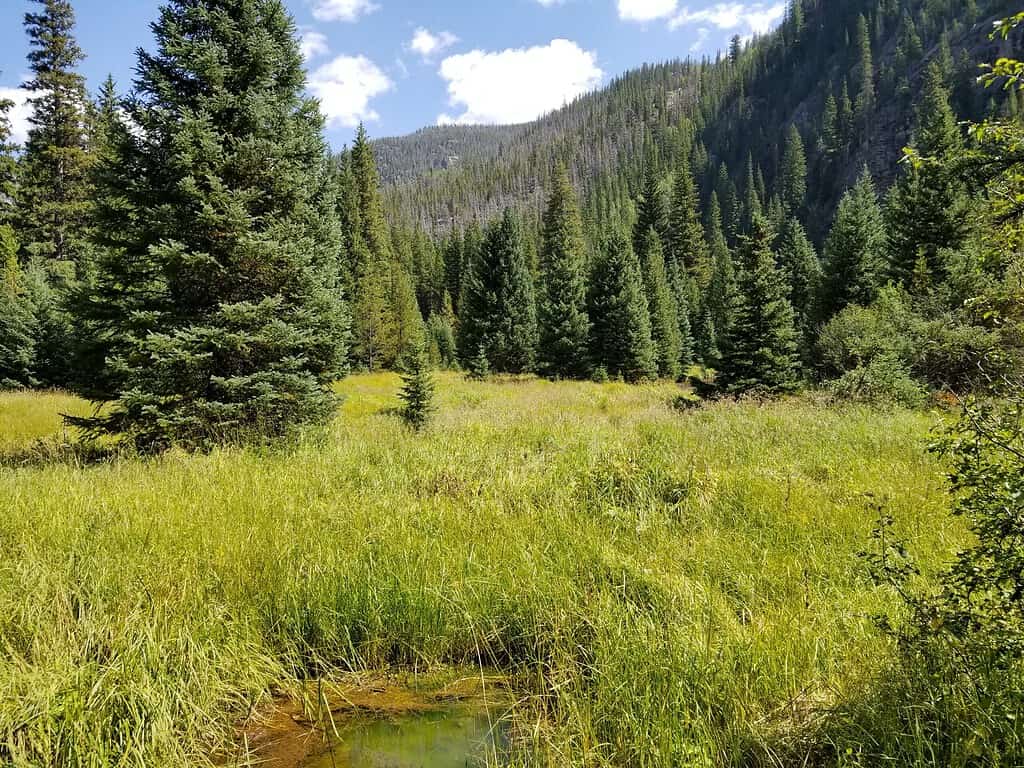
(665, 588)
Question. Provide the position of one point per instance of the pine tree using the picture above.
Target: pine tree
(8, 168)
(217, 310)
(793, 181)
(621, 342)
(801, 271)
(854, 250)
(366, 179)
(685, 242)
(17, 322)
(562, 308)
(722, 289)
(650, 208)
(499, 311)
(417, 393)
(864, 103)
(54, 194)
(926, 211)
(665, 330)
(759, 351)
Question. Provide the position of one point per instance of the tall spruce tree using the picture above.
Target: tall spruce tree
(720, 296)
(621, 340)
(562, 305)
(54, 193)
(685, 243)
(661, 303)
(499, 313)
(926, 210)
(793, 177)
(8, 169)
(759, 350)
(802, 273)
(651, 211)
(854, 250)
(217, 311)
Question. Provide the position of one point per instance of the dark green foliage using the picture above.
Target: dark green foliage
(854, 251)
(801, 271)
(705, 339)
(685, 242)
(217, 311)
(54, 190)
(417, 392)
(499, 310)
(651, 211)
(759, 350)
(17, 321)
(562, 306)
(8, 168)
(927, 209)
(793, 183)
(621, 342)
(721, 291)
(661, 303)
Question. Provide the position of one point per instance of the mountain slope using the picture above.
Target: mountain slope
(734, 108)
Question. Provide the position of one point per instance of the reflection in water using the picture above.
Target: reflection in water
(456, 738)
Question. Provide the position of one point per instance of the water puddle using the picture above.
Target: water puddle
(444, 720)
(461, 737)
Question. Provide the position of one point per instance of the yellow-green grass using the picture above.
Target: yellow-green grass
(667, 588)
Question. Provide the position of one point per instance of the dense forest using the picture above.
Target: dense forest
(751, 216)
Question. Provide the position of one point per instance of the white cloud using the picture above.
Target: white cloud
(345, 87)
(646, 10)
(19, 113)
(427, 44)
(342, 10)
(702, 38)
(519, 84)
(312, 44)
(754, 18)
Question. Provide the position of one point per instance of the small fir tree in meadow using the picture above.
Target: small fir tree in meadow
(621, 340)
(562, 306)
(759, 350)
(479, 367)
(802, 272)
(418, 386)
(217, 311)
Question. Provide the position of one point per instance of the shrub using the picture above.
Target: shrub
(883, 380)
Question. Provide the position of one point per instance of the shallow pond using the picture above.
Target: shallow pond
(463, 736)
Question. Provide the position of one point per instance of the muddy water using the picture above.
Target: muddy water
(446, 720)
(462, 736)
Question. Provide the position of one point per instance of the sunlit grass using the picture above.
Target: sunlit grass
(668, 589)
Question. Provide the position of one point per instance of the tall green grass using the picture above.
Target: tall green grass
(668, 589)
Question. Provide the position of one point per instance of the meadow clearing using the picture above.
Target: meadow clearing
(663, 588)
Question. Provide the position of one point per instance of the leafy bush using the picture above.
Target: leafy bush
(883, 380)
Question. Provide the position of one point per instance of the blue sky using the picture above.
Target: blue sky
(399, 65)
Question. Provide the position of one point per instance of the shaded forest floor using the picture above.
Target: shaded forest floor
(662, 588)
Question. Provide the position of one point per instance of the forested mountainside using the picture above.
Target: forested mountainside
(845, 74)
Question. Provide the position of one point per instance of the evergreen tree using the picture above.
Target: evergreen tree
(759, 350)
(665, 328)
(864, 103)
(926, 211)
(217, 310)
(54, 194)
(685, 242)
(705, 339)
(793, 182)
(801, 271)
(17, 323)
(854, 250)
(650, 208)
(368, 198)
(8, 169)
(417, 393)
(722, 289)
(499, 313)
(621, 342)
(562, 309)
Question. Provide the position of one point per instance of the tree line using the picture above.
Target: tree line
(193, 257)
